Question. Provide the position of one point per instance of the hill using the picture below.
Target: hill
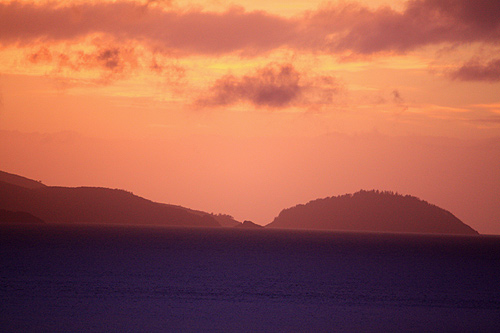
(371, 211)
(19, 180)
(248, 225)
(93, 205)
(224, 220)
(8, 217)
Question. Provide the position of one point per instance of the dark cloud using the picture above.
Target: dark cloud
(335, 28)
(275, 86)
(477, 71)
(352, 27)
(190, 32)
(479, 16)
(110, 59)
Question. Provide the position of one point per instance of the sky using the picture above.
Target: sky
(249, 107)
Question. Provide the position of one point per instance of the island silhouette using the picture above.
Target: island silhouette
(372, 211)
(379, 211)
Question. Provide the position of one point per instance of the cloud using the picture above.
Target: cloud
(275, 85)
(42, 55)
(190, 32)
(491, 120)
(334, 28)
(398, 100)
(111, 61)
(476, 71)
(352, 27)
(480, 16)
(397, 96)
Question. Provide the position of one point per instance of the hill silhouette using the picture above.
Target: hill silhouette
(93, 205)
(224, 220)
(248, 225)
(371, 211)
(9, 217)
(19, 180)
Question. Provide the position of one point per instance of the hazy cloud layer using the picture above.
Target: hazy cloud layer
(491, 120)
(333, 28)
(477, 71)
(275, 86)
(190, 32)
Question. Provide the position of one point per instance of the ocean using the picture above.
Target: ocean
(137, 279)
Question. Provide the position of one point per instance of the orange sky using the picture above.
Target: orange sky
(247, 108)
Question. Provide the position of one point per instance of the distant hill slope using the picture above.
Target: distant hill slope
(248, 225)
(94, 205)
(224, 220)
(9, 217)
(19, 180)
(371, 211)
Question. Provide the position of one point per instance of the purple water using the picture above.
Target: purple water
(99, 278)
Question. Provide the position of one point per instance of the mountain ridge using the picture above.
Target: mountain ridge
(378, 211)
(91, 205)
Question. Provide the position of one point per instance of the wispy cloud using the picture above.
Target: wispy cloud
(112, 61)
(108, 60)
(490, 120)
(398, 100)
(275, 85)
(477, 71)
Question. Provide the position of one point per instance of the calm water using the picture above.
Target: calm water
(55, 278)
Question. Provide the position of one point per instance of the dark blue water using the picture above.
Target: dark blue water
(55, 278)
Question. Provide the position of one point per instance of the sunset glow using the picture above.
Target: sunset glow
(249, 107)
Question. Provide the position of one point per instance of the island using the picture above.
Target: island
(373, 211)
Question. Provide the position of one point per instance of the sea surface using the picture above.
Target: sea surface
(131, 279)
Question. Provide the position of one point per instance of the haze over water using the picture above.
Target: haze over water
(102, 278)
